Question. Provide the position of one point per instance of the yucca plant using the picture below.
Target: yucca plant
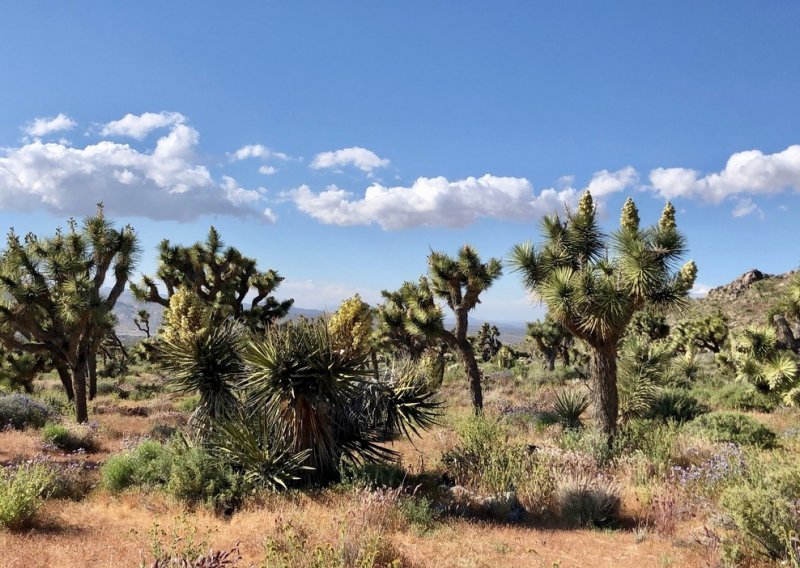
(259, 448)
(210, 365)
(325, 400)
(569, 406)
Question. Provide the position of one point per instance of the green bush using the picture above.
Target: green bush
(188, 404)
(147, 464)
(21, 411)
(733, 427)
(677, 405)
(652, 439)
(23, 490)
(486, 462)
(196, 477)
(371, 475)
(69, 439)
(189, 474)
(419, 512)
(736, 396)
(766, 511)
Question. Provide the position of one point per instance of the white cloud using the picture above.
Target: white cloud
(440, 202)
(363, 159)
(238, 195)
(163, 182)
(605, 183)
(139, 126)
(44, 126)
(745, 207)
(699, 290)
(324, 295)
(256, 151)
(269, 216)
(267, 170)
(746, 173)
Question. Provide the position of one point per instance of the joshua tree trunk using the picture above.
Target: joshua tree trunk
(786, 339)
(551, 360)
(66, 381)
(460, 342)
(92, 373)
(79, 372)
(374, 356)
(603, 368)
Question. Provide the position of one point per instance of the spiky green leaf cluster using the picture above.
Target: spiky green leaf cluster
(222, 277)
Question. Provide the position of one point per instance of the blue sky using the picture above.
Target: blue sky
(339, 142)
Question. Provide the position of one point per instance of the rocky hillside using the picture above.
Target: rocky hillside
(746, 300)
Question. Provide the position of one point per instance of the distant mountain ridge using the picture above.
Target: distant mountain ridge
(127, 308)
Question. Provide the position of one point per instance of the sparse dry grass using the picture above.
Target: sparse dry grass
(113, 531)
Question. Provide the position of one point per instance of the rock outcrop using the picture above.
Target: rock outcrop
(738, 287)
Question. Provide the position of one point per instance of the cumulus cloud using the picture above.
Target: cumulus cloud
(267, 170)
(165, 181)
(44, 126)
(239, 195)
(139, 126)
(323, 294)
(699, 290)
(441, 202)
(746, 173)
(256, 151)
(745, 207)
(361, 158)
(269, 216)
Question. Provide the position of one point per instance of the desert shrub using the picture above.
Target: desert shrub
(766, 511)
(586, 500)
(188, 404)
(185, 546)
(733, 427)
(20, 411)
(69, 439)
(419, 512)
(189, 474)
(737, 396)
(569, 406)
(106, 387)
(196, 477)
(588, 441)
(71, 480)
(677, 405)
(360, 546)
(485, 461)
(56, 403)
(146, 464)
(653, 440)
(23, 489)
(377, 474)
(145, 391)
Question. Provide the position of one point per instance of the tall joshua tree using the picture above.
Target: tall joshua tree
(55, 300)
(221, 277)
(459, 282)
(594, 292)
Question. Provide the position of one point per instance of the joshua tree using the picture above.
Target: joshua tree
(221, 277)
(594, 294)
(54, 296)
(709, 333)
(551, 339)
(459, 281)
(488, 341)
(142, 322)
